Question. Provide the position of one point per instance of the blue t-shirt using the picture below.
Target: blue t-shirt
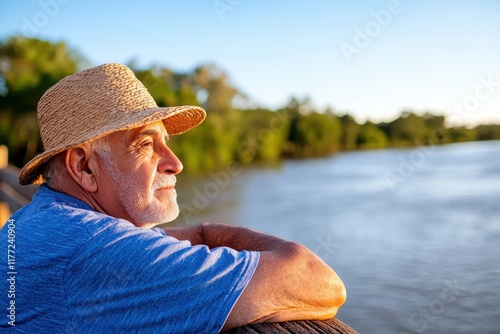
(74, 270)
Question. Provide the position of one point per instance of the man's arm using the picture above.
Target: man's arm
(290, 282)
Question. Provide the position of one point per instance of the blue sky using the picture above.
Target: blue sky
(372, 59)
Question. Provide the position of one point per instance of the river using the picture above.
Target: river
(413, 233)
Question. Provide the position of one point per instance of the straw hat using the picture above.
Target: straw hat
(96, 102)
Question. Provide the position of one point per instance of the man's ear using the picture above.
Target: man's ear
(80, 163)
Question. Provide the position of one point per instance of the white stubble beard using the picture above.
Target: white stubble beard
(144, 211)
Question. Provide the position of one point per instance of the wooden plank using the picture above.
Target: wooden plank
(306, 326)
(10, 175)
(4, 213)
(4, 156)
(13, 196)
(10, 196)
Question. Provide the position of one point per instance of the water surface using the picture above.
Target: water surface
(413, 233)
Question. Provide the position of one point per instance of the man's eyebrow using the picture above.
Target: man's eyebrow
(150, 133)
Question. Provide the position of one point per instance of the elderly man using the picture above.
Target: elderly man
(88, 257)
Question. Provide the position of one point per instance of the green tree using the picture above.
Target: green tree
(461, 134)
(263, 136)
(371, 137)
(158, 81)
(167, 87)
(29, 66)
(350, 133)
(408, 130)
(312, 133)
(436, 127)
(488, 132)
(213, 82)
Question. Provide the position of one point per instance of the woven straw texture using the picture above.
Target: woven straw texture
(96, 102)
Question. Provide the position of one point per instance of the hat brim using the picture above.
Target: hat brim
(177, 120)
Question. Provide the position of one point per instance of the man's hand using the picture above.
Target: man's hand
(290, 282)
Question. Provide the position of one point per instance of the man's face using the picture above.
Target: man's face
(137, 177)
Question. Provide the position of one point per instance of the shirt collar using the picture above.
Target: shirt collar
(46, 192)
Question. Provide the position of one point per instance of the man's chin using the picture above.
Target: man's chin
(166, 195)
(156, 218)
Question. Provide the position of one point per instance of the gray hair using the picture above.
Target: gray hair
(53, 167)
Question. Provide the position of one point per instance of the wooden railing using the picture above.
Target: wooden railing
(13, 196)
(332, 326)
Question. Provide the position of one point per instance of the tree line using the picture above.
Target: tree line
(234, 130)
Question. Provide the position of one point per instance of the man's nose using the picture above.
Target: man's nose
(169, 163)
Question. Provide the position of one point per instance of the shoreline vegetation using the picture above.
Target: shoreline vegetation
(235, 131)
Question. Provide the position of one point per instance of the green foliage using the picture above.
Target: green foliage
(159, 86)
(488, 132)
(215, 83)
(314, 134)
(29, 66)
(461, 134)
(211, 145)
(371, 137)
(408, 130)
(168, 88)
(263, 135)
(436, 128)
(350, 133)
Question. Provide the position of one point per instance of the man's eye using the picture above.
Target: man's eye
(148, 143)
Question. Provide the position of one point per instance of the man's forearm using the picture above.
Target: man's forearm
(283, 266)
(190, 233)
(239, 238)
(236, 237)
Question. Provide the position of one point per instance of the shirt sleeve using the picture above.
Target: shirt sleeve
(128, 279)
(160, 230)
